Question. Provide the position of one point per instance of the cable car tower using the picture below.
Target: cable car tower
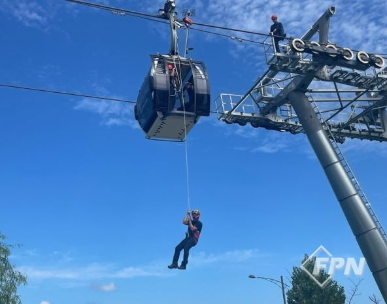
(330, 93)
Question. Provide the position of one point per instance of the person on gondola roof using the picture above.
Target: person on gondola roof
(168, 6)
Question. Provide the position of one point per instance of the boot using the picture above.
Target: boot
(182, 267)
(173, 265)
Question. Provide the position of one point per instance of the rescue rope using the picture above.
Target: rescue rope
(181, 97)
(186, 163)
(185, 136)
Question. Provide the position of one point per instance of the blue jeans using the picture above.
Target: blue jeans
(185, 244)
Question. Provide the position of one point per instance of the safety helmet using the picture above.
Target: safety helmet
(196, 212)
(274, 17)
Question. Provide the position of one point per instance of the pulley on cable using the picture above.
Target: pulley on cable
(176, 90)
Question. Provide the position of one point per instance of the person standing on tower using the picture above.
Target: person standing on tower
(278, 32)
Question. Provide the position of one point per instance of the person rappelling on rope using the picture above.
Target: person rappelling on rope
(191, 239)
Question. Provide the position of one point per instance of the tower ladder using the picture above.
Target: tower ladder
(348, 169)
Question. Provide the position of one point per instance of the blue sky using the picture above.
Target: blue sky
(97, 208)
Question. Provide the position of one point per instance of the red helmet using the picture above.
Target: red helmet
(170, 66)
(274, 17)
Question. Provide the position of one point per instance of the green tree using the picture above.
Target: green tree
(10, 278)
(306, 291)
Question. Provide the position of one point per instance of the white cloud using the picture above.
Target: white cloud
(270, 148)
(30, 13)
(235, 256)
(364, 147)
(112, 113)
(96, 271)
(105, 288)
(45, 302)
(90, 272)
(131, 272)
(263, 141)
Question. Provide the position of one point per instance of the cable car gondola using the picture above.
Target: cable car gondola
(172, 98)
(174, 94)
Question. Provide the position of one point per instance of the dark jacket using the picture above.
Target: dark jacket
(278, 30)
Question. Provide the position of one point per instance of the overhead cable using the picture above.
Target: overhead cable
(64, 93)
(113, 9)
(231, 29)
(11, 86)
(226, 36)
(123, 12)
(158, 18)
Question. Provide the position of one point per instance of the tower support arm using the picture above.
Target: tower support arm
(369, 237)
(300, 83)
(380, 103)
(321, 26)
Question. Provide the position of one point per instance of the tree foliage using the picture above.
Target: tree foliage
(10, 278)
(306, 291)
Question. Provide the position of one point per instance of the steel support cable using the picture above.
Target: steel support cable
(41, 90)
(11, 86)
(233, 29)
(113, 9)
(156, 17)
(227, 36)
(238, 30)
(130, 12)
(65, 93)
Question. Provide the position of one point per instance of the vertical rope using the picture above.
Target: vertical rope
(186, 162)
(185, 131)
(186, 166)
(181, 95)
